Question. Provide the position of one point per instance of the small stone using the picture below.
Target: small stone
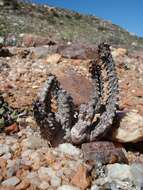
(46, 173)
(15, 147)
(31, 175)
(35, 158)
(33, 178)
(10, 163)
(12, 167)
(44, 185)
(25, 157)
(69, 149)
(4, 149)
(68, 187)
(9, 140)
(54, 58)
(7, 156)
(137, 172)
(50, 158)
(103, 152)
(119, 52)
(30, 120)
(10, 172)
(33, 142)
(130, 128)
(119, 172)
(95, 187)
(11, 129)
(23, 185)
(81, 179)
(11, 181)
(55, 181)
(2, 163)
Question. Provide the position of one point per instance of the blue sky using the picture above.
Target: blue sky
(126, 13)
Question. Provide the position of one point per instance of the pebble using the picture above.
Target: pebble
(23, 185)
(45, 173)
(55, 181)
(95, 187)
(11, 181)
(68, 187)
(119, 172)
(35, 158)
(130, 129)
(53, 59)
(31, 175)
(137, 172)
(33, 178)
(44, 185)
(10, 172)
(7, 156)
(81, 178)
(69, 149)
(10, 140)
(12, 167)
(15, 147)
(2, 163)
(4, 149)
(33, 142)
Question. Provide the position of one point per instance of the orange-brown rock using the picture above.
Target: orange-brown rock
(81, 178)
(54, 58)
(11, 129)
(50, 158)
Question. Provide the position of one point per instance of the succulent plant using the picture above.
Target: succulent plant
(58, 117)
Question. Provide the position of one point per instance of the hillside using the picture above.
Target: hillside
(61, 25)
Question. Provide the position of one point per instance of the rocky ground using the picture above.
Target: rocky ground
(28, 162)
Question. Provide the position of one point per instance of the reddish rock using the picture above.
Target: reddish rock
(11, 129)
(81, 178)
(103, 152)
(3, 168)
(77, 85)
(30, 40)
(78, 51)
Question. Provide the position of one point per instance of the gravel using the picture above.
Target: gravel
(11, 181)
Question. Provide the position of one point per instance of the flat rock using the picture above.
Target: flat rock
(130, 128)
(119, 172)
(11, 181)
(103, 152)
